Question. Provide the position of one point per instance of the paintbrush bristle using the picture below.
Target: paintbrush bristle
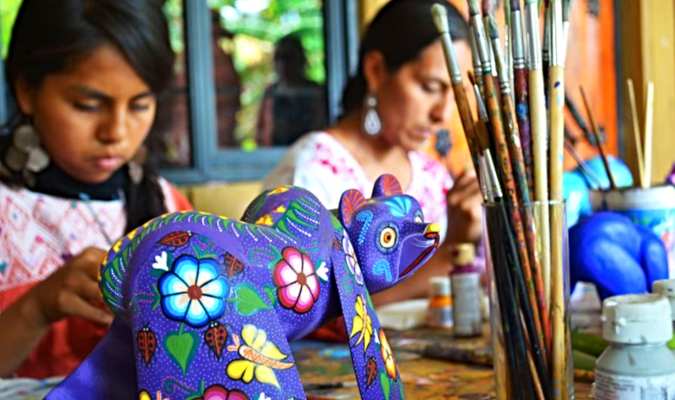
(493, 31)
(515, 5)
(440, 17)
(473, 8)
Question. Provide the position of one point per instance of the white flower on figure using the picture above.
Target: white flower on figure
(350, 258)
(161, 262)
(322, 271)
(263, 396)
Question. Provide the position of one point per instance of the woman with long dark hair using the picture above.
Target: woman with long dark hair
(400, 95)
(76, 171)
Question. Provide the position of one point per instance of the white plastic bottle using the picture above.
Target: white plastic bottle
(466, 292)
(666, 288)
(637, 364)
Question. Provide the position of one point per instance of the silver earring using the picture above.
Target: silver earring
(372, 124)
(25, 156)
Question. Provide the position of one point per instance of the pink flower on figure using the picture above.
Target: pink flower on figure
(218, 392)
(297, 284)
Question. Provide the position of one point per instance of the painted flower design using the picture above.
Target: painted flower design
(387, 355)
(296, 280)
(362, 325)
(350, 257)
(192, 291)
(218, 392)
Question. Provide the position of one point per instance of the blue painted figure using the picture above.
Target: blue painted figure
(619, 257)
(205, 306)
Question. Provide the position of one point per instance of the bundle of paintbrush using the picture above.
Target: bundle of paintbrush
(517, 146)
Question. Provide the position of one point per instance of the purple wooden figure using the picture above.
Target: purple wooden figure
(205, 306)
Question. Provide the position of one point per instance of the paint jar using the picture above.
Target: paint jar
(439, 313)
(637, 364)
(466, 291)
(653, 208)
(666, 288)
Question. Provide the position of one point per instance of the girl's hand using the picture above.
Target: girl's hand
(73, 290)
(464, 209)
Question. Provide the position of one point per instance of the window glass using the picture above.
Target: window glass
(269, 71)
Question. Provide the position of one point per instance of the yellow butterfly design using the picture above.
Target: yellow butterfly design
(361, 323)
(260, 357)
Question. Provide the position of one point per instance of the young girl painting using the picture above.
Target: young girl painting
(76, 169)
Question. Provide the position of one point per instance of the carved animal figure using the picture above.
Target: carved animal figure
(206, 306)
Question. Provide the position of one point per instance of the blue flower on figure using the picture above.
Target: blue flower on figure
(192, 291)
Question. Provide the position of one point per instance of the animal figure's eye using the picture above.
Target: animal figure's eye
(388, 237)
(418, 217)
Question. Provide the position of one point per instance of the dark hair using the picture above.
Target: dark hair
(400, 31)
(49, 36)
(290, 48)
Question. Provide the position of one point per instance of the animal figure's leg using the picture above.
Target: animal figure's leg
(374, 365)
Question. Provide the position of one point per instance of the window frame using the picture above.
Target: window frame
(209, 161)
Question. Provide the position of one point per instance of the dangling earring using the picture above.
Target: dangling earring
(135, 165)
(25, 156)
(372, 124)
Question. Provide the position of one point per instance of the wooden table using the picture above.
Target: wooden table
(324, 364)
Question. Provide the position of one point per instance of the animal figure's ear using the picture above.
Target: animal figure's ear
(386, 185)
(350, 202)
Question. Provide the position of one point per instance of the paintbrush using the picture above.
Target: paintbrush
(579, 119)
(440, 18)
(521, 383)
(636, 133)
(594, 129)
(591, 178)
(557, 121)
(546, 48)
(513, 204)
(649, 133)
(532, 269)
(539, 135)
(520, 89)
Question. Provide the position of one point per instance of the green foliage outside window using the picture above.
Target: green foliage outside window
(256, 26)
(8, 10)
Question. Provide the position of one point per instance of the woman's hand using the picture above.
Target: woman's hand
(73, 290)
(464, 209)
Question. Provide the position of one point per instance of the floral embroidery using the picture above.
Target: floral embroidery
(192, 291)
(297, 284)
(350, 257)
(361, 323)
(260, 357)
(218, 392)
(387, 355)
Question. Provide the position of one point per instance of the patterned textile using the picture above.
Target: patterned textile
(206, 306)
(322, 165)
(38, 233)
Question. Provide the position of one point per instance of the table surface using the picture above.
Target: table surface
(327, 364)
(463, 372)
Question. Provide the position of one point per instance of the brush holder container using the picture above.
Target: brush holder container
(513, 316)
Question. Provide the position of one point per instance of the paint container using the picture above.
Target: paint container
(653, 208)
(637, 364)
(466, 291)
(666, 288)
(439, 313)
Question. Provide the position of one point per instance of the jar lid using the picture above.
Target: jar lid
(440, 285)
(666, 288)
(636, 319)
(463, 254)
